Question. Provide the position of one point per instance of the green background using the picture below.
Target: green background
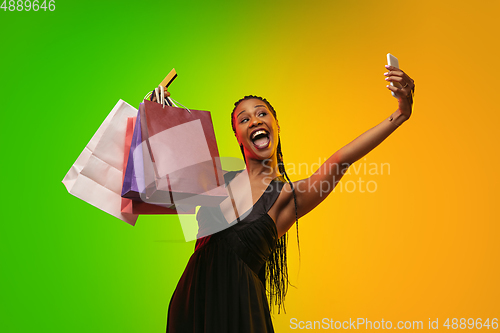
(67, 266)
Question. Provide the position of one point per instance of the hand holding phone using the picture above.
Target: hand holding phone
(402, 86)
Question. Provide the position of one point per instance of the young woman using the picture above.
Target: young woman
(223, 288)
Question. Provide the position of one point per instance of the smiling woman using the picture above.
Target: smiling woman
(257, 116)
(235, 269)
(223, 288)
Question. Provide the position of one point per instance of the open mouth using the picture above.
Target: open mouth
(260, 139)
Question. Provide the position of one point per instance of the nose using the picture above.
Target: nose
(255, 122)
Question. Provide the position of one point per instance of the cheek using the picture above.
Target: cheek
(238, 135)
(275, 130)
(236, 130)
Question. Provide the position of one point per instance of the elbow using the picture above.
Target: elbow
(343, 160)
(338, 165)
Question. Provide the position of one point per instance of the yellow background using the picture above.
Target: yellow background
(425, 244)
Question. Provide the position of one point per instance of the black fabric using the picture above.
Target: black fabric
(222, 289)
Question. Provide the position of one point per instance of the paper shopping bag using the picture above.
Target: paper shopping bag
(96, 176)
(181, 158)
(136, 206)
(133, 181)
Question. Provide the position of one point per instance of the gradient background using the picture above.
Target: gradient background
(424, 245)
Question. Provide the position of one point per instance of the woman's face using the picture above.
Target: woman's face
(256, 129)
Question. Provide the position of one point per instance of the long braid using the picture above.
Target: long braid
(275, 269)
(282, 170)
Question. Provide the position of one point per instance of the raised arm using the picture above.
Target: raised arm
(311, 191)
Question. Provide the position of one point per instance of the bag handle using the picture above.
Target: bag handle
(173, 100)
(160, 91)
(168, 101)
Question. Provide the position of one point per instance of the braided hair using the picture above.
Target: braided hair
(275, 274)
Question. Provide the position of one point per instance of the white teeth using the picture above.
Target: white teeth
(258, 133)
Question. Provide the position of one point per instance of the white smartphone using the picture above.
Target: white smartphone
(393, 61)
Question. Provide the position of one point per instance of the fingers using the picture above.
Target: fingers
(402, 92)
(393, 71)
(394, 79)
(403, 83)
(405, 93)
(394, 89)
(396, 72)
(395, 75)
(392, 68)
(166, 94)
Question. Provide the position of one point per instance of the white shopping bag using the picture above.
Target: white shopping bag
(97, 175)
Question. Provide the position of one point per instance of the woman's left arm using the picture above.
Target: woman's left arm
(311, 191)
(367, 141)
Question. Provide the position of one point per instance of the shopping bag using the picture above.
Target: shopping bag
(97, 175)
(136, 206)
(181, 158)
(133, 182)
(134, 170)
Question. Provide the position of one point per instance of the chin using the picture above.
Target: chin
(263, 154)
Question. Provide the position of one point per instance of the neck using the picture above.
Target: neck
(263, 168)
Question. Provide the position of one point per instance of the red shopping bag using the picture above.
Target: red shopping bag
(181, 158)
(138, 207)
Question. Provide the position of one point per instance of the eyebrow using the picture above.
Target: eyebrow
(254, 108)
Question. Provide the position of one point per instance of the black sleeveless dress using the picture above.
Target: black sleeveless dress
(222, 289)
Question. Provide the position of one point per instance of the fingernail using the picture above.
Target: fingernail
(387, 79)
(387, 66)
(387, 86)
(386, 73)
